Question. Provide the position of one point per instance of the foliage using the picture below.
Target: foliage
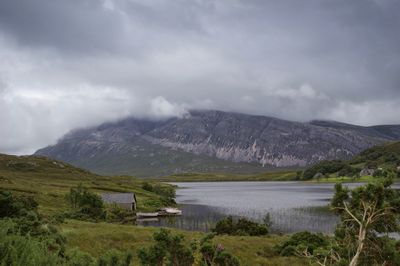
(17, 249)
(76, 257)
(86, 204)
(302, 241)
(147, 186)
(365, 212)
(28, 239)
(13, 206)
(242, 226)
(118, 214)
(387, 154)
(215, 255)
(169, 249)
(167, 192)
(324, 167)
(348, 170)
(115, 257)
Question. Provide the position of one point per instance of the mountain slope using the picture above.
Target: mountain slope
(210, 141)
(385, 157)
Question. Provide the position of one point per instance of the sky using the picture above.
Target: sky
(78, 63)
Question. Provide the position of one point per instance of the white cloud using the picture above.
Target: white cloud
(161, 108)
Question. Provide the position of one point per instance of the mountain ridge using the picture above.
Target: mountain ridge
(205, 138)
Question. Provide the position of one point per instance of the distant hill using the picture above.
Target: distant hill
(213, 141)
(386, 155)
(377, 161)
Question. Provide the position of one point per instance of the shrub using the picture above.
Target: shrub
(242, 226)
(13, 206)
(86, 204)
(147, 186)
(76, 257)
(118, 214)
(300, 241)
(324, 167)
(23, 249)
(168, 248)
(216, 254)
(115, 257)
(166, 191)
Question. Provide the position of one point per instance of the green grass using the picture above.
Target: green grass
(49, 180)
(342, 179)
(96, 238)
(345, 179)
(282, 175)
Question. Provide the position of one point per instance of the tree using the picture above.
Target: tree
(365, 212)
(242, 226)
(169, 249)
(86, 203)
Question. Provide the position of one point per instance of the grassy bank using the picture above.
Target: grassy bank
(286, 175)
(96, 238)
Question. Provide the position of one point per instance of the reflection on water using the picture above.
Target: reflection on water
(292, 205)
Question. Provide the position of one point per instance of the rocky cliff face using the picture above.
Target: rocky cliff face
(231, 137)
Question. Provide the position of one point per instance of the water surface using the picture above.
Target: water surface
(293, 206)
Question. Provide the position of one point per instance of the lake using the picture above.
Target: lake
(293, 206)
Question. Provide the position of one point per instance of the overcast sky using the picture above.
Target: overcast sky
(74, 63)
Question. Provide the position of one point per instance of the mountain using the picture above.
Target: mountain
(212, 141)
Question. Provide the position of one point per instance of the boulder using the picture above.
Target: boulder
(318, 176)
(367, 171)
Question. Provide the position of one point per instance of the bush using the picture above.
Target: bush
(76, 257)
(26, 238)
(324, 167)
(242, 226)
(349, 171)
(301, 241)
(147, 186)
(118, 214)
(216, 254)
(168, 248)
(23, 249)
(13, 206)
(86, 204)
(166, 191)
(115, 257)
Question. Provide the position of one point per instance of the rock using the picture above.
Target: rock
(367, 172)
(318, 176)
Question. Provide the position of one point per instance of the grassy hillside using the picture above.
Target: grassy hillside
(387, 155)
(382, 160)
(49, 180)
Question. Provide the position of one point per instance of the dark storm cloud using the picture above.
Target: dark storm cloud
(67, 64)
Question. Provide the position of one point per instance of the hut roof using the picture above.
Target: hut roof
(119, 197)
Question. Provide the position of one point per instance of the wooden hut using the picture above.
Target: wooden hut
(123, 200)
